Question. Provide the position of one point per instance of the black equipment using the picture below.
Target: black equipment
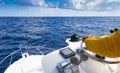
(67, 52)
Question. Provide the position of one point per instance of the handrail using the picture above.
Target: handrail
(8, 56)
(39, 48)
(94, 58)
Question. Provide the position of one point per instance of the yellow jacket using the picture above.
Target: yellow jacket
(108, 46)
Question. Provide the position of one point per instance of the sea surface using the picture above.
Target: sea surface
(49, 32)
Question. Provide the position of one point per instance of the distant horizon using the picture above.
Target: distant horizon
(52, 12)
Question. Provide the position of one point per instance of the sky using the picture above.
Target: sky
(59, 7)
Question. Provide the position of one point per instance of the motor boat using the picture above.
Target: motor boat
(59, 61)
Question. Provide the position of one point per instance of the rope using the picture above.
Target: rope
(20, 50)
(40, 51)
(8, 56)
(11, 60)
(71, 68)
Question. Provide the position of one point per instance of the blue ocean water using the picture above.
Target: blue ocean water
(48, 31)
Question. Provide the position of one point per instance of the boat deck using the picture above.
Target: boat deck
(50, 61)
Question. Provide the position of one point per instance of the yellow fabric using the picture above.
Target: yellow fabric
(108, 46)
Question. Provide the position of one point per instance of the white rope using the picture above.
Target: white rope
(8, 56)
(11, 59)
(20, 50)
(40, 51)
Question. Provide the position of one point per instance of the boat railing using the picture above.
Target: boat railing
(31, 50)
(10, 55)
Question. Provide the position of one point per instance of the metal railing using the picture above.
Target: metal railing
(31, 50)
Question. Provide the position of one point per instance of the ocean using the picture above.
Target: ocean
(49, 32)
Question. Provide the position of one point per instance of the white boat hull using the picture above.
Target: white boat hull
(29, 64)
(47, 63)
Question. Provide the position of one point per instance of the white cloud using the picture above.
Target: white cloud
(46, 12)
(113, 1)
(74, 4)
(31, 2)
(77, 4)
(93, 4)
(83, 4)
(109, 8)
(71, 4)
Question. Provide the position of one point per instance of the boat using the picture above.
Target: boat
(60, 61)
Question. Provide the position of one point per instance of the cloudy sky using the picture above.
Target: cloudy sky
(59, 7)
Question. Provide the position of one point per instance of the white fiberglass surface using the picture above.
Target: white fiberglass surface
(31, 64)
